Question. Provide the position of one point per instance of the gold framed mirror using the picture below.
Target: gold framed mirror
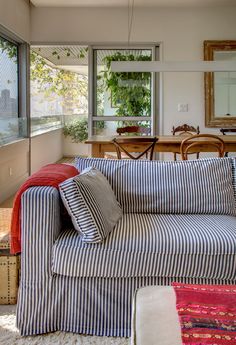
(220, 87)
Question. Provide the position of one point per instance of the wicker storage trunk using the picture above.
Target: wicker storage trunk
(9, 264)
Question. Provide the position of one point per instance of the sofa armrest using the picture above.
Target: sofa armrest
(40, 227)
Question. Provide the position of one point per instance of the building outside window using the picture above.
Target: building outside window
(10, 124)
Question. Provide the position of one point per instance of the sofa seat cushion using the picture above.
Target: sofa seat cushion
(153, 245)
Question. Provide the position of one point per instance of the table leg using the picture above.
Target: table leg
(96, 151)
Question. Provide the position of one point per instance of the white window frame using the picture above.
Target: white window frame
(154, 96)
(23, 79)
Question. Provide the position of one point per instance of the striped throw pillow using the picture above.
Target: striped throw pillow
(203, 186)
(91, 203)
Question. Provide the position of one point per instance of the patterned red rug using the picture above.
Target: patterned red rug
(207, 313)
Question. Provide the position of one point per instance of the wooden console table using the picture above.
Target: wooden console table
(166, 143)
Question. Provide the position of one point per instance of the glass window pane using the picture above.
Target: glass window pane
(10, 127)
(59, 85)
(121, 94)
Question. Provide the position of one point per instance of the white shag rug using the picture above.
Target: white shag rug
(9, 334)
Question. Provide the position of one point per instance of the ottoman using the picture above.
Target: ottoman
(155, 319)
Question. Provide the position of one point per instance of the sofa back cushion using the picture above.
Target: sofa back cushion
(91, 203)
(195, 187)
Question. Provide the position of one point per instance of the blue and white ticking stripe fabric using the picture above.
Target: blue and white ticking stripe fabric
(233, 161)
(96, 306)
(50, 302)
(60, 289)
(185, 187)
(91, 203)
(144, 245)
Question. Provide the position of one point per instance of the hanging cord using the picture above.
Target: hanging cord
(130, 18)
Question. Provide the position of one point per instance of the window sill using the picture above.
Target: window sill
(15, 141)
(44, 131)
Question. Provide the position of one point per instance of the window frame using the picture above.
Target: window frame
(156, 119)
(92, 76)
(22, 81)
(55, 46)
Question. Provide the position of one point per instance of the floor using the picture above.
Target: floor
(69, 160)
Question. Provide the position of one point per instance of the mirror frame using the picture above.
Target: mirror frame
(210, 119)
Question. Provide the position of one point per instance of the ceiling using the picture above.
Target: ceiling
(57, 56)
(137, 3)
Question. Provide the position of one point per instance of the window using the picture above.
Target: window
(121, 99)
(66, 81)
(10, 124)
(59, 87)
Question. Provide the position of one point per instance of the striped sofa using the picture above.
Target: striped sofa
(178, 224)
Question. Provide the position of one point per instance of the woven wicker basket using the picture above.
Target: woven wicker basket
(9, 264)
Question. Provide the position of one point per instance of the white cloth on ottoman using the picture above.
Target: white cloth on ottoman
(155, 319)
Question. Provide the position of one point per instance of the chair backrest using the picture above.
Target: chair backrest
(133, 129)
(185, 130)
(227, 130)
(146, 146)
(198, 141)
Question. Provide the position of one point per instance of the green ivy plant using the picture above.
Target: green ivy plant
(131, 91)
(69, 52)
(77, 130)
(9, 48)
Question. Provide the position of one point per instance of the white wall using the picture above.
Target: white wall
(46, 148)
(14, 167)
(71, 149)
(181, 32)
(14, 159)
(15, 16)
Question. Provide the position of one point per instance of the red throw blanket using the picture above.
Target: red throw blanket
(207, 313)
(49, 175)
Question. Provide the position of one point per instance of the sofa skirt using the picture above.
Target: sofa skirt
(95, 306)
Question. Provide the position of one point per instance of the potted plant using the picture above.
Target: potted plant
(75, 134)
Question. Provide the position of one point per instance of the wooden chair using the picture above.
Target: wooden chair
(198, 141)
(134, 129)
(185, 130)
(227, 130)
(146, 144)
